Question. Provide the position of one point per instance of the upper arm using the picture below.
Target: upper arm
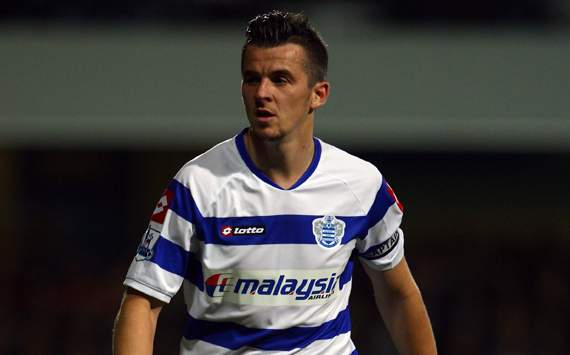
(135, 324)
(401, 306)
(392, 284)
(134, 298)
(136, 304)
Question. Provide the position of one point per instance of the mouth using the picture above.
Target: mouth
(263, 113)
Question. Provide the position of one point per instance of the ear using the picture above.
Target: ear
(319, 94)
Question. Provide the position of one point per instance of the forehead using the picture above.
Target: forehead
(286, 56)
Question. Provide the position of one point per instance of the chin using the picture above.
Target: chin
(265, 133)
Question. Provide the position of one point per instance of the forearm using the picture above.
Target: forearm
(408, 323)
(135, 326)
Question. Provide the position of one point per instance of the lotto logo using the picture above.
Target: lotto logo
(230, 231)
(393, 194)
(159, 213)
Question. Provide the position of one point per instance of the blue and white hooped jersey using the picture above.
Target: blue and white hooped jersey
(267, 270)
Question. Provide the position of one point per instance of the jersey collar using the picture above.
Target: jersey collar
(240, 144)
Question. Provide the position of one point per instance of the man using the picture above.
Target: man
(262, 230)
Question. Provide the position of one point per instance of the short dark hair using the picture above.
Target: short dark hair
(277, 27)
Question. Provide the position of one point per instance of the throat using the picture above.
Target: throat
(284, 163)
(284, 182)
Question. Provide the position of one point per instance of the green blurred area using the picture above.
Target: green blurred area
(152, 87)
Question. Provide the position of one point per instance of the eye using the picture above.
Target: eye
(280, 79)
(250, 79)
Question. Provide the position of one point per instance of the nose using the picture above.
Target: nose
(263, 91)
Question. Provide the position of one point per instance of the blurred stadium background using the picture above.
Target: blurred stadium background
(465, 106)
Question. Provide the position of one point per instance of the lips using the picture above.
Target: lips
(263, 113)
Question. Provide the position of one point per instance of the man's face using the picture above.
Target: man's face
(275, 89)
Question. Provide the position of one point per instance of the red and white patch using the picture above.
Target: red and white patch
(162, 206)
(393, 194)
(227, 231)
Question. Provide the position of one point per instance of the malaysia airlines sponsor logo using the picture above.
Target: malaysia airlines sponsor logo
(269, 287)
(159, 213)
(231, 231)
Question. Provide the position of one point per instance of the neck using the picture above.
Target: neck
(283, 161)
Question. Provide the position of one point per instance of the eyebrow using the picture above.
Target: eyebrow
(248, 73)
(284, 72)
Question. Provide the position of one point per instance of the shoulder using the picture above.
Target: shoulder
(348, 167)
(211, 169)
(361, 177)
(207, 175)
(217, 161)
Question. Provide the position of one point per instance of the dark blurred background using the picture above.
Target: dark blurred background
(464, 106)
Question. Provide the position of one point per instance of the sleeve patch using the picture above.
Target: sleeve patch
(159, 213)
(393, 194)
(145, 249)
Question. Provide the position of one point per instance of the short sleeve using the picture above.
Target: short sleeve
(382, 247)
(161, 261)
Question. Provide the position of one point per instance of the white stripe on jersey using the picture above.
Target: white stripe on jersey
(339, 345)
(241, 193)
(266, 256)
(178, 230)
